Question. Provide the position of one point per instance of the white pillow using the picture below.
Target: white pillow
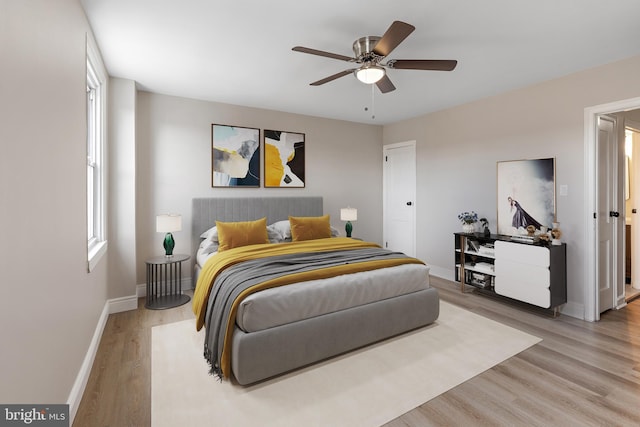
(208, 247)
(274, 234)
(282, 227)
(210, 234)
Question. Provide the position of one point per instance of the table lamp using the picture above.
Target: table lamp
(348, 214)
(167, 223)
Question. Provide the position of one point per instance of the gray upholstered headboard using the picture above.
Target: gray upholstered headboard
(205, 211)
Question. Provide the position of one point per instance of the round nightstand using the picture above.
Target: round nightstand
(164, 282)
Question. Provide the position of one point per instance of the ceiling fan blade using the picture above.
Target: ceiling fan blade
(323, 53)
(333, 77)
(385, 85)
(395, 34)
(423, 64)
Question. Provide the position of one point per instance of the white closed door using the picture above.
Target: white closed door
(607, 221)
(399, 194)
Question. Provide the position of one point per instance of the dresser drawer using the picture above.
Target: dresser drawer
(522, 273)
(530, 294)
(523, 253)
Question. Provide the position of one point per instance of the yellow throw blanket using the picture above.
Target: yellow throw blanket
(217, 263)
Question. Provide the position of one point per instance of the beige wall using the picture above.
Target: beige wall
(343, 165)
(458, 149)
(49, 304)
(122, 188)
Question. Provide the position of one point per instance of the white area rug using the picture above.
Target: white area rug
(368, 387)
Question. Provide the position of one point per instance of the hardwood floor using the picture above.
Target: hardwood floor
(631, 293)
(118, 392)
(581, 374)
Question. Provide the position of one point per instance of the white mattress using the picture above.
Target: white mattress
(299, 301)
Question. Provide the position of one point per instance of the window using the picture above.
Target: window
(96, 94)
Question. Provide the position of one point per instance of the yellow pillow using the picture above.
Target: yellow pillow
(309, 227)
(243, 233)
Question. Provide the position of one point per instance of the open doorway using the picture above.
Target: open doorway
(632, 204)
(593, 303)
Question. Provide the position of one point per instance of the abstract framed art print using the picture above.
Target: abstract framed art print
(526, 195)
(235, 156)
(284, 159)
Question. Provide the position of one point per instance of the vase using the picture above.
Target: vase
(468, 227)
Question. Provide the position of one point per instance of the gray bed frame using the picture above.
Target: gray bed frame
(260, 355)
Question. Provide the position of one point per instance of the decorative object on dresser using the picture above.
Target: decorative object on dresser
(468, 220)
(348, 214)
(556, 234)
(235, 156)
(525, 195)
(485, 226)
(526, 271)
(168, 223)
(284, 163)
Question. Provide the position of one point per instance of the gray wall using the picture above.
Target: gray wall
(458, 148)
(49, 304)
(343, 165)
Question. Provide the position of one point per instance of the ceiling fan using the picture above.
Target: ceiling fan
(371, 50)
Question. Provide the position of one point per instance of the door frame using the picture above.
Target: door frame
(386, 147)
(591, 311)
(635, 192)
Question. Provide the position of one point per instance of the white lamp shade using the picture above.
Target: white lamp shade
(168, 222)
(348, 214)
(370, 74)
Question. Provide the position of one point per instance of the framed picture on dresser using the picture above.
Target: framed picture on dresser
(526, 195)
(235, 156)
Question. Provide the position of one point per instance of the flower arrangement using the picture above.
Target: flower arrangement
(468, 217)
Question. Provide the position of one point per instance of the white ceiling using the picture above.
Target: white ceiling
(239, 51)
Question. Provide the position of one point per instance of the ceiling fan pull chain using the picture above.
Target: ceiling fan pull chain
(373, 102)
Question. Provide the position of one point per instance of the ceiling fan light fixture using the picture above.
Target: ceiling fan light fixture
(370, 74)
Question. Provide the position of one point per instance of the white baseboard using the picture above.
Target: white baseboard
(118, 305)
(573, 309)
(85, 369)
(115, 305)
(443, 273)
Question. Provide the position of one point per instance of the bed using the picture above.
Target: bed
(283, 325)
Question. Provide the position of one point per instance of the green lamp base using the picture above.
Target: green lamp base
(168, 244)
(348, 228)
